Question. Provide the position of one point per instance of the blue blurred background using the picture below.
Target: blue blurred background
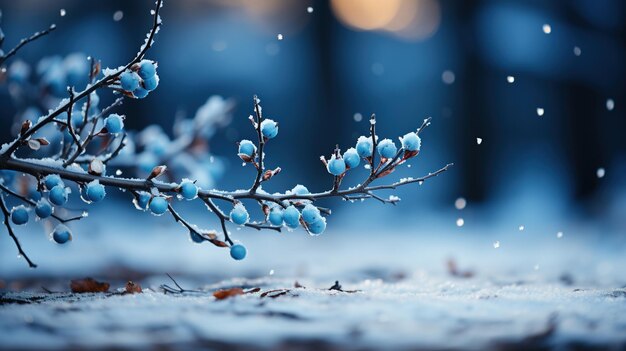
(341, 60)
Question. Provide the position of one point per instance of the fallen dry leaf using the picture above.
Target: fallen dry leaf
(133, 288)
(226, 293)
(88, 285)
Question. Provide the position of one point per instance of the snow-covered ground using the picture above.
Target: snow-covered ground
(534, 290)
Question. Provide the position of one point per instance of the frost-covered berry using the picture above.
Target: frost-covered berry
(19, 215)
(95, 191)
(43, 209)
(238, 252)
(61, 234)
(291, 216)
(129, 80)
(140, 93)
(364, 146)
(300, 190)
(239, 214)
(150, 83)
(336, 166)
(142, 200)
(58, 195)
(52, 180)
(158, 205)
(310, 213)
(411, 142)
(317, 227)
(114, 123)
(269, 128)
(386, 148)
(276, 216)
(247, 148)
(351, 158)
(147, 69)
(188, 190)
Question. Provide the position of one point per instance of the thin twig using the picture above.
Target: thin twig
(7, 216)
(25, 41)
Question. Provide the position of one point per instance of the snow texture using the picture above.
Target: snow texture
(537, 290)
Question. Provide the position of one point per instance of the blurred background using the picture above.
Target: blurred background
(527, 97)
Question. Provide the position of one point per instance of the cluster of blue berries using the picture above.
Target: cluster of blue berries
(386, 149)
(54, 73)
(140, 79)
(43, 207)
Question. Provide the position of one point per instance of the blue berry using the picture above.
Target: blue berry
(61, 234)
(146, 69)
(140, 93)
(141, 202)
(386, 148)
(351, 158)
(364, 146)
(336, 166)
(188, 190)
(43, 209)
(239, 214)
(291, 216)
(246, 147)
(58, 195)
(129, 81)
(311, 213)
(7, 176)
(269, 128)
(318, 227)
(300, 190)
(19, 215)
(114, 123)
(52, 180)
(196, 238)
(158, 205)
(151, 83)
(238, 252)
(276, 216)
(411, 142)
(95, 191)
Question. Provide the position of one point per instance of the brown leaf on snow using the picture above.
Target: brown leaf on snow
(88, 285)
(133, 288)
(226, 293)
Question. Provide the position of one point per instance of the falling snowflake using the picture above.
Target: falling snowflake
(600, 172)
(358, 117)
(547, 28)
(62, 12)
(510, 79)
(559, 235)
(279, 36)
(521, 228)
(479, 141)
(118, 15)
(448, 77)
(540, 111)
(309, 9)
(460, 222)
(460, 203)
(577, 51)
(536, 267)
(610, 104)
(496, 244)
